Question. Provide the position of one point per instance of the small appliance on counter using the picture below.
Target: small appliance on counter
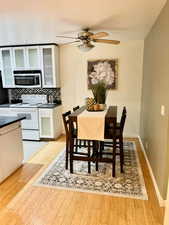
(50, 99)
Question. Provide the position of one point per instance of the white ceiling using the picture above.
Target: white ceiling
(35, 21)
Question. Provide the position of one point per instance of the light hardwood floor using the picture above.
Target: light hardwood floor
(24, 204)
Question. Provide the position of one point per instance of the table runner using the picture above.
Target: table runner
(91, 125)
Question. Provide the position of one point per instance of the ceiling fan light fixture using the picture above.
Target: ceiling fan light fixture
(85, 47)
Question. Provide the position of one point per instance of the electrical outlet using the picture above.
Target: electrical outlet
(162, 110)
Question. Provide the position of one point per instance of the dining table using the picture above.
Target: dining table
(109, 118)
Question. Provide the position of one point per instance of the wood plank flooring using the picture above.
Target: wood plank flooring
(24, 204)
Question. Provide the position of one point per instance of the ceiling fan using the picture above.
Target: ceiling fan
(86, 39)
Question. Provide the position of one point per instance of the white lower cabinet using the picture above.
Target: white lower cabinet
(50, 122)
(49, 126)
(11, 156)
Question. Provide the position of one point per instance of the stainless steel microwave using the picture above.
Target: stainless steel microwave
(28, 79)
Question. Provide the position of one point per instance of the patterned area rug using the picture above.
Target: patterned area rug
(129, 184)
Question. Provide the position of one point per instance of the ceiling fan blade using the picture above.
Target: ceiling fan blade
(99, 35)
(66, 37)
(114, 42)
(69, 43)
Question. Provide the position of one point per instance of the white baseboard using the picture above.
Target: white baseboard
(159, 197)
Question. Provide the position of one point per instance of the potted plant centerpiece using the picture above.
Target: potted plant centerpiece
(100, 93)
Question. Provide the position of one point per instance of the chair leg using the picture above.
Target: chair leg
(80, 143)
(76, 149)
(71, 154)
(114, 158)
(89, 163)
(95, 149)
(67, 154)
(85, 144)
(121, 154)
(101, 148)
(97, 163)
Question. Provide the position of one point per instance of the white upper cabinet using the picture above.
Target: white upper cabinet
(19, 56)
(37, 57)
(50, 66)
(7, 67)
(33, 58)
(27, 58)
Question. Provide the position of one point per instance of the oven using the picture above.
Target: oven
(28, 79)
(30, 125)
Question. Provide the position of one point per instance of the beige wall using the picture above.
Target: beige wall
(74, 78)
(154, 127)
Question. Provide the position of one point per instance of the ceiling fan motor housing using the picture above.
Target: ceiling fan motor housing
(85, 35)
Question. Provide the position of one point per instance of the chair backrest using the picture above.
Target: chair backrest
(65, 117)
(76, 108)
(123, 119)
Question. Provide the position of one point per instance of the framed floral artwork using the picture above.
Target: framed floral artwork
(103, 70)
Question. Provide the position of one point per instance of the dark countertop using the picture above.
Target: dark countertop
(7, 120)
(47, 106)
(4, 105)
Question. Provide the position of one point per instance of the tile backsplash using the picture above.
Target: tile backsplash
(16, 93)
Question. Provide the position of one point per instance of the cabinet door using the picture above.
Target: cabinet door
(19, 58)
(45, 127)
(49, 66)
(6, 67)
(46, 123)
(33, 58)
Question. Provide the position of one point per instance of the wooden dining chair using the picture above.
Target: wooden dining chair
(84, 144)
(76, 108)
(89, 155)
(119, 123)
(65, 117)
(80, 142)
(109, 134)
(76, 151)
